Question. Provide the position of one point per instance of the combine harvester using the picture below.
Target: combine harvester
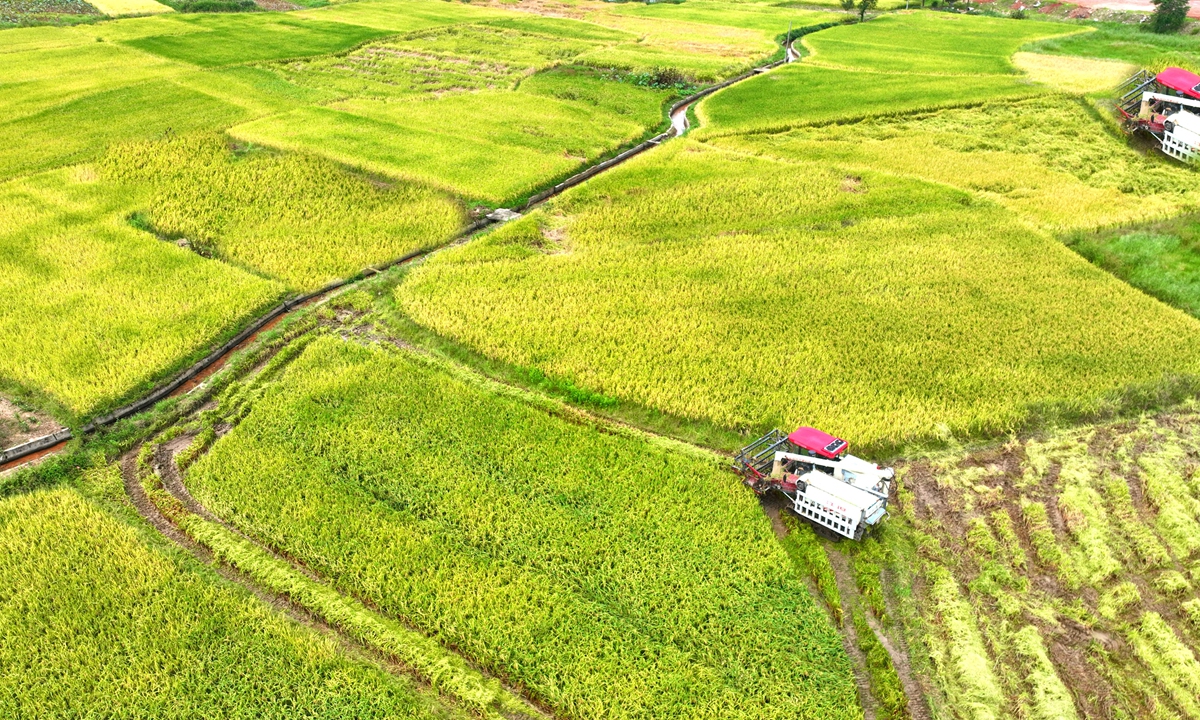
(1167, 107)
(814, 471)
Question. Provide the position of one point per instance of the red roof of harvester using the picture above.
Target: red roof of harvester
(1178, 79)
(822, 443)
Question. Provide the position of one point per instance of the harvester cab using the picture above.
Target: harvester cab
(824, 483)
(1165, 106)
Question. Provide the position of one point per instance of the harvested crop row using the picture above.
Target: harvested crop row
(607, 574)
(1037, 559)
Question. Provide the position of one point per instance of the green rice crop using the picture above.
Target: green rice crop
(594, 89)
(401, 16)
(664, 282)
(930, 43)
(1024, 155)
(79, 130)
(258, 210)
(608, 573)
(1164, 261)
(233, 39)
(95, 620)
(1131, 43)
(95, 310)
(771, 20)
(490, 146)
(801, 94)
(808, 555)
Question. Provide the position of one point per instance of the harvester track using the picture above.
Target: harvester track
(167, 471)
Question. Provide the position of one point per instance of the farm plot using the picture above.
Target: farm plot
(893, 65)
(130, 7)
(752, 293)
(95, 310)
(96, 619)
(1058, 574)
(1025, 155)
(461, 58)
(929, 43)
(228, 39)
(771, 20)
(489, 145)
(605, 572)
(1128, 43)
(254, 209)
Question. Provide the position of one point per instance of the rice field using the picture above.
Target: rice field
(570, 560)
(97, 617)
(661, 284)
(1058, 572)
(251, 209)
(96, 310)
(1024, 155)
(116, 8)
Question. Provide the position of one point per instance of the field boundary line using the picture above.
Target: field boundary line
(11, 458)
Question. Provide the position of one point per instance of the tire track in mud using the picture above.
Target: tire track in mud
(168, 473)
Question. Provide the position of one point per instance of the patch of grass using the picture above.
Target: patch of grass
(575, 562)
(298, 218)
(1130, 43)
(1172, 582)
(1041, 535)
(97, 618)
(95, 310)
(1163, 260)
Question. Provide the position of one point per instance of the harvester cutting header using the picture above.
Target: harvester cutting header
(1167, 107)
(825, 484)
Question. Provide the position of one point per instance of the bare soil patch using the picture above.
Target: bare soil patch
(18, 425)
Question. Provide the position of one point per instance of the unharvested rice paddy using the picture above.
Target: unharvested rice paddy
(252, 209)
(96, 619)
(911, 310)
(570, 560)
(95, 309)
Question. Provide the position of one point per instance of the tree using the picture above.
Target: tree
(1169, 15)
(864, 5)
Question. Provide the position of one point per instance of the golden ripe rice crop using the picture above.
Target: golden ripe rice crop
(93, 618)
(298, 218)
(609, 574)
(753, 293)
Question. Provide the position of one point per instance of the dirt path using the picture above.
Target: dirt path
(918, 709)
(849, 595)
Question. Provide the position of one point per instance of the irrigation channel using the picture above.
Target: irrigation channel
(40, 447)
